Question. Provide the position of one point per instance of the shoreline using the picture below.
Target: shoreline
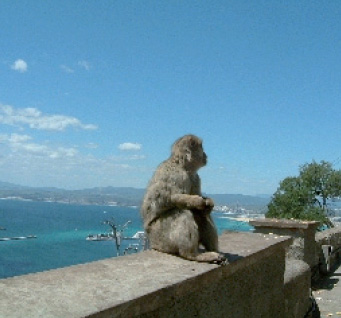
(79, 203)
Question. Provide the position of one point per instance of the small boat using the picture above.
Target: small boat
(137, 236)
(132, 248)
(100, 237)
(110, 236)
(17, 238)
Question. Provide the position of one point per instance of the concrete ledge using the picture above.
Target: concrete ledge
(303, 232)
(284, 224)
(153, 284)
(330, 236)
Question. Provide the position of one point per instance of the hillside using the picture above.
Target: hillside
(123, 196)
(239, 199)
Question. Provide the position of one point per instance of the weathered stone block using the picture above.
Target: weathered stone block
(303, 232)
(297, 283)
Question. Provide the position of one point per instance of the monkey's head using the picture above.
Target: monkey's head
(188, 152)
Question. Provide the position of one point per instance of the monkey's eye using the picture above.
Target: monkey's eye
(192, 144)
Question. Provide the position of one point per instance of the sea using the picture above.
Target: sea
(61, 231)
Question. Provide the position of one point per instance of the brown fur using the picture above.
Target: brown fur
(176, 216)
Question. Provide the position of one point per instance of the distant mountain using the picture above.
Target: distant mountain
(239, 199)
(264, 196)
(98, 196)
(125, 196)
(7, 185)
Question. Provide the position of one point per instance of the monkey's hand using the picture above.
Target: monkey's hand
(209, 205)
(188, 201)
(192, 202)
(201, 203)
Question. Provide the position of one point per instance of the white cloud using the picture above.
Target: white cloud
(18, 143)
(67, 69)
(62, 152)
(16, 138)
(124, 166)
(19, 65)
(130, 146)
(137, 157)
(91, 145)
(34, 118)
(46, 165)
(84, 64)
(31, 148)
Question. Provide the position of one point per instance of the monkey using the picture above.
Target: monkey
(176, 217)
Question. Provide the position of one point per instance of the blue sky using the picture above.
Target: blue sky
(93, 93)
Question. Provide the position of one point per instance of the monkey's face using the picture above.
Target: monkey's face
(188, 151)
(204, 158)
(198, 156)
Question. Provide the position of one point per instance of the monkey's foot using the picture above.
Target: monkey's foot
(211, 257)
(221, 260)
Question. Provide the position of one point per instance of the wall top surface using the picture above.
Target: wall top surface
(142, 280)
(284, 223)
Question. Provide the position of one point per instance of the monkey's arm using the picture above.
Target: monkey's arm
(192, 202)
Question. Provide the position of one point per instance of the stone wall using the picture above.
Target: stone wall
(331, 237)
(297, 282)
(328, 248)
(256, 283)
(320, 250)
(303, 233)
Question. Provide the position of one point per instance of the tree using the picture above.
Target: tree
(306, 197)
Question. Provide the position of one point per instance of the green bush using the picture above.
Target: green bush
(305, 197)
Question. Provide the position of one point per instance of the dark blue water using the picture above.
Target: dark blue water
(61, 230)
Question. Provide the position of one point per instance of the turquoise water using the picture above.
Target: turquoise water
(61, 230)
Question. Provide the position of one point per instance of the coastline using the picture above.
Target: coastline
(80, 203)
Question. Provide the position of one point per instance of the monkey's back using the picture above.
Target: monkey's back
(169, 178)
